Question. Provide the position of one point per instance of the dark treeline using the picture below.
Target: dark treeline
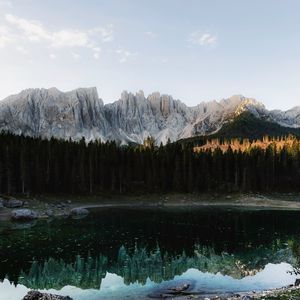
(33, 166)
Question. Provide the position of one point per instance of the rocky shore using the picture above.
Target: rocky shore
(35, 295)
(291, 292)
(43, 207)
(21, 210)
(183, 292)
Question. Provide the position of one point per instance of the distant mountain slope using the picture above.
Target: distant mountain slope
(81, 113)
(246, 125)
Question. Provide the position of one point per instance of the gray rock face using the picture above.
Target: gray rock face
(35, 295)
(12, 203)
(80, 113)
(23, 215)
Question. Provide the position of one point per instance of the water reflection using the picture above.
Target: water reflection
(141, 266)
(199, 284)
(142, 246)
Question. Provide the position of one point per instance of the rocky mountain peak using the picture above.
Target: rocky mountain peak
(81, 113)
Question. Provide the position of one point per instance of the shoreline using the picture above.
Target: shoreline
(285, 292)
(61, 206)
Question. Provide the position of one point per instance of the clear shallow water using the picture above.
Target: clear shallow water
(114, 252)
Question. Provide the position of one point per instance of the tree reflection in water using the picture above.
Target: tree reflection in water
(140, 265)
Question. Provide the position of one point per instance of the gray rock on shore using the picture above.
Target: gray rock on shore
(79, 212)
(13, 203)
(23, 215)
(35, 295)
(49, 213)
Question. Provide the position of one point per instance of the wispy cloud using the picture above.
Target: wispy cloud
(124, 55)
(151, 34)
(21, 50)
(5, 36)
(202, 39)
(105, 33)
(35, 31)
(31, 30)
(96, 51)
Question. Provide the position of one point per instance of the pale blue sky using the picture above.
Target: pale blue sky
(194, 50)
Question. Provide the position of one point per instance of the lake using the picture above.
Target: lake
(136, 253)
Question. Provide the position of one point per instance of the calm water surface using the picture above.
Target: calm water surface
(141, 253)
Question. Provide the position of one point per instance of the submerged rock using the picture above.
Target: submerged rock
(79, 212)
(35, 295)
(23, 215)
(167, 290)
(12, 203)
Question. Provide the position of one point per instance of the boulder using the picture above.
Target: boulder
(35, 295)
(79, 211)
(49, 213)
(177, 289)
(23, 215)
(1, 203)
(12, 203)
(246, 297)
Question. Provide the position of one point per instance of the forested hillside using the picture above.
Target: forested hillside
(246, 126)
(34, 166)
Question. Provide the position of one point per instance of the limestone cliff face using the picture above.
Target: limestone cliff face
(47, 113)
(81, 113)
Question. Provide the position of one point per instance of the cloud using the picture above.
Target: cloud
(69, 38)
(96, 55)
(34, 31)
(124, 55)
(52, 56)
(96, 51)
(21, 50)
(202, 39)
(151, 34)
(106, 34)
(5, 36)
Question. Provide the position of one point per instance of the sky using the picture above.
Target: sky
(194, 50)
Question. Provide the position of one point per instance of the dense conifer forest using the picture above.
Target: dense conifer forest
(36, 166)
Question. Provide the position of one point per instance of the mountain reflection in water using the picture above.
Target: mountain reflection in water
(143, 248)
(199, 284)
(140, 266)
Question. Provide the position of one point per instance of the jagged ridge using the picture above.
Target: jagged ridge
(81, 113)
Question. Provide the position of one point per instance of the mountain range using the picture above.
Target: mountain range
(81, 113)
